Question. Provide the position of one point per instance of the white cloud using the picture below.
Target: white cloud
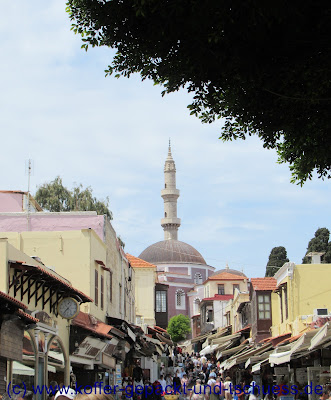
(58, 108)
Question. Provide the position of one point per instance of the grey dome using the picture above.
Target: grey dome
(229, 271)
(172, 252)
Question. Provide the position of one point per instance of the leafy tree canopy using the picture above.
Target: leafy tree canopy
(277, 258)
(263, 67)
(53, 196)
(179, 326)
(319, 243)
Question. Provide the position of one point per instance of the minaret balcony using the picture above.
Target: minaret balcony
(170, 221)
(170, 192)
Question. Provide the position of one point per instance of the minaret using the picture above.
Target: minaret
(170, 223)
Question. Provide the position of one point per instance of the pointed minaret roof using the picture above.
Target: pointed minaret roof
(169, 151)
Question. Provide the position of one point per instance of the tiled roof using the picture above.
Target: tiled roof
(159, 328)
(96, 326)
(138, 262)
(13, 300)
(21, 307)
(273, 338)
(264, 283)
(226, 276)
(27, 316)
(247, 328)
(54, 276)
(219, 297)
(290, 339)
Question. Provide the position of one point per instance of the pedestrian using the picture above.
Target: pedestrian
(228, 388)
(197, 392)
(255, 393)
(163, 383)
(177, 383)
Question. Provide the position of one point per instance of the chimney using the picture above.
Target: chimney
(316, 256)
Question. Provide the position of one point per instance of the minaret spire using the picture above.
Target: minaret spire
(170, 223)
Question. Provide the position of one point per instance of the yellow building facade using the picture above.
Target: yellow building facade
(45, 351)
(233, 310)
(82, 257)
(303, 295)
(145, 278)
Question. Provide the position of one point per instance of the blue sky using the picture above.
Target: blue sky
(58, 108)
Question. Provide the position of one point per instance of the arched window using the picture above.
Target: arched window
(165, 215)
(198, 278)
(196, 309)
(180, 298)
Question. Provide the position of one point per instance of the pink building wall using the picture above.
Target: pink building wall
(11, 201)
(44, 221)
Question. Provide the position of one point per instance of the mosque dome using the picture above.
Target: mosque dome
(172, 251)
(229, 271)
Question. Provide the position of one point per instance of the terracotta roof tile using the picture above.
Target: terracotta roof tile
(54, 276)
(27, 316)
(13, 300)
(138, 262)
(226, 276)
(93, 325)
(262, 284)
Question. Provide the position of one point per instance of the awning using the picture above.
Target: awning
(233, 350)
(320, 336)
(199, 338)
(223, 339)
(257, 367)
(208, 350)
(280, 358)
(81, 360)
(230, 364)
(258, 358)
(219, 334)
(21, 369)
(250, 352)
(164, 339)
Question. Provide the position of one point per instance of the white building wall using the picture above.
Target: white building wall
(219, 311)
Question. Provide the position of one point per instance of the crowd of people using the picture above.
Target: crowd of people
(185, 377)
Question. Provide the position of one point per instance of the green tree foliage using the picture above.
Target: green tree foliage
(263, 67)
(319, 243)
(179, 326)
(277, 258)
(53, 196)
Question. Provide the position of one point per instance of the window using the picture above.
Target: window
(209, 316)
(180, 299)
(264, 306)
(161, 301)
(101, 292)
(196, 306)
(220, 289)
(281, 305)
(165, 215)
(96, 287)
(120, 297)
(110, 286)
(286, 302)
(235, 286)
(198, 278)
(125, 299)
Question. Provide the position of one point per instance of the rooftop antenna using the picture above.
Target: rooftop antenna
(28, 171)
